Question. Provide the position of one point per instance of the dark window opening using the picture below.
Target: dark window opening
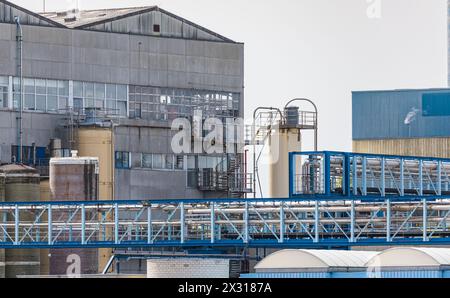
(122, 160)
(156, 28)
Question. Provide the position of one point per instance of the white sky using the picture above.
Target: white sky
(320, 49)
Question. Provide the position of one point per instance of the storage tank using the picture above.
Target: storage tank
(98, 141)
(21, 185)
(2, 199)
(73, 179)
(284, 139)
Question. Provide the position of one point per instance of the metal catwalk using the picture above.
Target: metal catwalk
(336, 200)
(292, 222)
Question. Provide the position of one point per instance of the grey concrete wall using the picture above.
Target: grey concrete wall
(57, 53)
(141, 184)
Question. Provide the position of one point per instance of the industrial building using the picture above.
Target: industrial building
(397, 262)
(402, 122)
(108, 83)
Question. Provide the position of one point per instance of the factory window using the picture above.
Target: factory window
(156, 28)
(42, 95)
(109, 98)
(4, 83)
(162, 161)
(163, 104)
(122, 160)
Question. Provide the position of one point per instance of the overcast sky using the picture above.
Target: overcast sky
(320, 49)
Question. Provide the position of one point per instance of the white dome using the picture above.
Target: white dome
(411, 257)
(306, 260)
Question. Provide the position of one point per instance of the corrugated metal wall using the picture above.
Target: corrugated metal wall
(429, 147)
(8, 12)
(382, 114)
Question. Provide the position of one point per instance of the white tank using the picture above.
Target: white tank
(281, 142)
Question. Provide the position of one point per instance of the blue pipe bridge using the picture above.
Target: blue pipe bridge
(336, 200)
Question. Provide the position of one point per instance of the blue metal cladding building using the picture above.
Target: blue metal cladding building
(402, 122)
(382, 114)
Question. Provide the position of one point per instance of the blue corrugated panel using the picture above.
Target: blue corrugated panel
(382, 114)
(287, 275)
(412, 274)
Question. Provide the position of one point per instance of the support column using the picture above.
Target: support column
(116, 223)
(149, 225)
(352, 224)
(213, 222)
(282, 223)
(83, 224)
(425, 220)
(364, 176)
(388, 221)
(316, 222)
(182, 223)
(50, 225)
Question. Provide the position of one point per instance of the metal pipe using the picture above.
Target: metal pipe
(316, 127)
(19, 40)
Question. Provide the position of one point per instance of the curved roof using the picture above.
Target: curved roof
(315, 259)
(411, 257)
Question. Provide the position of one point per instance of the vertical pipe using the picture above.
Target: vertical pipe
(383, 177)
(149, 225)
(364, 176)
(16, 225)
(316, 222)
(425, 220)
(19, 39)
(352, 224)
(388, 221)
(213, 222)
(116, 223)
(182, 223)
(83, 224)
(402, 177)
(327, 177)
(282, 223)
(421, 178)
(50, 224)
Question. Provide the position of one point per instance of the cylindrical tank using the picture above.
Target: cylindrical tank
(2, 199)
(98, 142)
(21, 185)
(73, 179)
(280, 143)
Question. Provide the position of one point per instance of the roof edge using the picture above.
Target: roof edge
(150, 9)
(33, 14)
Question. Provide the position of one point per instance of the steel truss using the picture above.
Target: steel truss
(366, 175)
(296, 222)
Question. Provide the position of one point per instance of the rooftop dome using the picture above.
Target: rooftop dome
(301, 260)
